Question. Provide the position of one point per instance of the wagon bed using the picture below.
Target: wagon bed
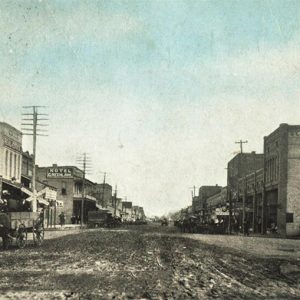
(17, 225)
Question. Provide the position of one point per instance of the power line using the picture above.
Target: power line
(31, 127)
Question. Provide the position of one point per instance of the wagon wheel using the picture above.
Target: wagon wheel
(38, 235)
(21, 236)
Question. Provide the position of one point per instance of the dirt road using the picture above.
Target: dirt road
(141, 263)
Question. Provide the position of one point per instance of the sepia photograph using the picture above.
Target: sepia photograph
(149, 149)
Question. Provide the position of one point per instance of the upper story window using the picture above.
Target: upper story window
(15, 165)
(6, 162)
(10, 165)
(64, 188)
(77, 188)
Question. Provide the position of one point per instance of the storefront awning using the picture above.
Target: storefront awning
(87, 197)
(11, 183)
(43, 201)
(99, 206)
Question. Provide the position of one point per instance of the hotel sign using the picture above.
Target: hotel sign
(60, 173)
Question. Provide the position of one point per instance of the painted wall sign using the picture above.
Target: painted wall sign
(60, 173)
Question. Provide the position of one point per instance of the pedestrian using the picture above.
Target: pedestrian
(235, 225)
(73, 219)
(62, 219)
(259, 224)
(246, 227)
(78, 219)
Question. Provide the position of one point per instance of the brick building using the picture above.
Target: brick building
(117, 204)
(103, 194)
(138, 213)
(237, 168)
(250, 200)
(205, 191)
(11, 162)
(10, 153)
(127, 210)
(27, 169)
(68, 182)
(241, 165)
(216, 205)
(282, 180)
(269, 198)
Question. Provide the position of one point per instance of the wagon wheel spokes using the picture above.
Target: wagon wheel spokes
(38, 235)
(21, 237)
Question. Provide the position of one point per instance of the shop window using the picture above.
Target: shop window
(290, 218)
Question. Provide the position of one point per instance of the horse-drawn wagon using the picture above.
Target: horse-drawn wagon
(17, 225)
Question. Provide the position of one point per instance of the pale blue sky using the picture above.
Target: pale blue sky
(176, 82)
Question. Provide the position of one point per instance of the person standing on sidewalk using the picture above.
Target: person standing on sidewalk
(62, 219)
(246, 227)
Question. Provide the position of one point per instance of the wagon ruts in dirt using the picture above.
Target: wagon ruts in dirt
(15, 227)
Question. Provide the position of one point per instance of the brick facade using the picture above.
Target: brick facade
(68, 182)
(282, 179)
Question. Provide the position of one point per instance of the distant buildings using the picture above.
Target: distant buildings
(199, 204)
(127, 210)
(103, 194)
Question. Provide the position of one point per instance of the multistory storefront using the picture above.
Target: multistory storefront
(237, 168)
(103, 194)
(281, 206)
(250, 200)
(199, 204)
(10, 153)
(68, 180)
(127, 210)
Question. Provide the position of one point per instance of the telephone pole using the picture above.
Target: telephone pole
(103, 189)
(193, 191)
(115, 202)
(241, 142)
(31, 127)
(84, 162)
